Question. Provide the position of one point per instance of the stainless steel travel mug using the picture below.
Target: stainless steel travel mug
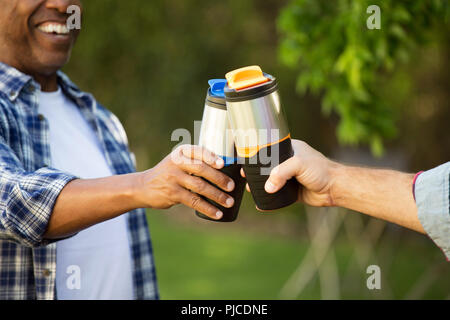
(217, 136)
(261, 134)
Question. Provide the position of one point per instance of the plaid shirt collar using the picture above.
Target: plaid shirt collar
(12, 82)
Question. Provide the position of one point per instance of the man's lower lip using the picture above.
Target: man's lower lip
(56, 37)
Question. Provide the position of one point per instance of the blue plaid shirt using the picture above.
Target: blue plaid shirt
(29, 187)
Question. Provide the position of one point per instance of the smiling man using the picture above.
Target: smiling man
(71, 223)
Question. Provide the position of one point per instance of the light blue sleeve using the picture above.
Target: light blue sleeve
(432, 191)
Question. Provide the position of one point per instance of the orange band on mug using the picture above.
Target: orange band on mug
(248, 152)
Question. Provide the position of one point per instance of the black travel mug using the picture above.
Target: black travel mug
(261, 134)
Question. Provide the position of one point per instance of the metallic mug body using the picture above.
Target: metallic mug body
(216, 136)
(262, 137)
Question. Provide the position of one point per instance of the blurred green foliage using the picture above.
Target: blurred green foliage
(334, 52)
(149, 62)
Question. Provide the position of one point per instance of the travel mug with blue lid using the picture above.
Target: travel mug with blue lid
(217, 136)
(261, 134)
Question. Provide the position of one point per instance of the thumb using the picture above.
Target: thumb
(282, 173)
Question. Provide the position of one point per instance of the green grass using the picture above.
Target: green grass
(193, 264)
(206, 260)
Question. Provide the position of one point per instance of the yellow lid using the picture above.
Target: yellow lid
(245, 77)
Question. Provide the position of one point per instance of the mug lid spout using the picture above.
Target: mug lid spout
(245, 77)
(216, 87)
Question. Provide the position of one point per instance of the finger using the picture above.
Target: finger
(247, 187)
(301, 191)
(261, 210)
(200, 186)
(214, 176)
(195, 202)
(282, 173)
(202, 154)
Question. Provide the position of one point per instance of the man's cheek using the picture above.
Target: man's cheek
(25, 8)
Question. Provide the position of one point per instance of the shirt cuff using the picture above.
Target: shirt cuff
(433, 205)
(30, 205)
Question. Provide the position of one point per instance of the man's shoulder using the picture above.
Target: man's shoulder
(76, 92)
(112, 123)
(103, 114)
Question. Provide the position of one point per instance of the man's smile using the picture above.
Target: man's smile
(53, 28)
(55, 32)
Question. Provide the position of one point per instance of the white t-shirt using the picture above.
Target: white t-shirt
(96, 263)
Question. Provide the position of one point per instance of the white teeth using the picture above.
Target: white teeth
(54, 28)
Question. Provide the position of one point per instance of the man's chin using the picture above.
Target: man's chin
(49, 54)
(49, 64)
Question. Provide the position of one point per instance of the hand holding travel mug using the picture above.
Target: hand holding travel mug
(261, 134)
(216, 136)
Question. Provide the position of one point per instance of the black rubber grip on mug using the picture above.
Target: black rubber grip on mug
(256, 179)
(229, 214)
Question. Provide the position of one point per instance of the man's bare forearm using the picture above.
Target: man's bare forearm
(177, 179)
(383, 194)
(85, 202)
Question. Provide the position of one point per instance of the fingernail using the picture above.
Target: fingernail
(219, 214)
(219, 162)
(230, 186)
(230, 202)
(270, 187)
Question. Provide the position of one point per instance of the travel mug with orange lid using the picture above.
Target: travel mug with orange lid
(260, 131)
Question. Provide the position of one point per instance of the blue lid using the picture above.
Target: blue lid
(229, 160)
(216, 87)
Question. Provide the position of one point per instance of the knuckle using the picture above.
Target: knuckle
(175, 196)
(276, 178)
(183, 149)
(198, 167)
(195, 201)
(172, 176)
(301, 142)
(178, 150)
(176, 157)
(198, 184)
(222, 180)
(296, 159)
(222, 197)
(189, 148)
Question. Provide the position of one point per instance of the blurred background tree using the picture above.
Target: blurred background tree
(149, 62)
(335, 53)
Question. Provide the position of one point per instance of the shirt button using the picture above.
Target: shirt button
(41, 117)
(30, 88)
(46, 272)
(12, 93)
